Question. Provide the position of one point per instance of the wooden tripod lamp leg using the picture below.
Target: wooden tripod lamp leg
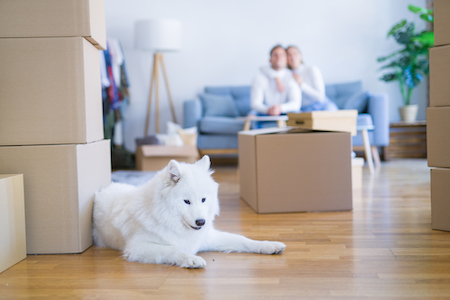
(149, 107)
(168, 89)
(158, 59)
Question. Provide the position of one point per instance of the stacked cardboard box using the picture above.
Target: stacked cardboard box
(51, 127)
(438, 118)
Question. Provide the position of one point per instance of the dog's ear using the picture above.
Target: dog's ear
(174, 171)
(204, 163)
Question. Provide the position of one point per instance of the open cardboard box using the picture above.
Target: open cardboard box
(295, 170)
(51, 91)
(60, 182)
(12, 221)
(156, 157)
(54, 18)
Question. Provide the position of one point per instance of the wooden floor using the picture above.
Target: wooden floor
(383, 249)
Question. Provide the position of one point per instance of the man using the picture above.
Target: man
(275, 95)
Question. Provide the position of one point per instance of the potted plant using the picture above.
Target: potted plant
(410, 64)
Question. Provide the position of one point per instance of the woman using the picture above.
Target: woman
(310, 81)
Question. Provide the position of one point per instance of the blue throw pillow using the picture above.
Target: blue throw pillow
(242, 105)
(241, 95)
(218, 106)
(358, 101)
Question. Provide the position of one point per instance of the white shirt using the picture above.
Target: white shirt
(264, 93)
(313, 86)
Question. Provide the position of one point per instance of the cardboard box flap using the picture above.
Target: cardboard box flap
(172, 151)
(340, 120)
(285, 130)
(264, 131)
(343, 113)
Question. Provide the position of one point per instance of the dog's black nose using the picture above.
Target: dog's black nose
(200, 222)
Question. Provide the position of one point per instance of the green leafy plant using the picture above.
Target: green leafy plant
(410, 64)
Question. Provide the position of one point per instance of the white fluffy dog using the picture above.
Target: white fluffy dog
(169, 219)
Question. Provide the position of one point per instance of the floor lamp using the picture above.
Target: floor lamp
(158, 35)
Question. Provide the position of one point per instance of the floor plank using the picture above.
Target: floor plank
(383, 249)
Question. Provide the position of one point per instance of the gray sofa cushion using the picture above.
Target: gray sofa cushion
(218, 105)
(220, 125)
(240, 94)
(358, 101)
(341, 92)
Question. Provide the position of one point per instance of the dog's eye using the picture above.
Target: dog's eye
(187, 201)
(203, 200)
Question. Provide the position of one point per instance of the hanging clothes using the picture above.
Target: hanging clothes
(115, 94)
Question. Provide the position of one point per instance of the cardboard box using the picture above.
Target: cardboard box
(439, 74)
(50, 91)
(340, 120)
(54, 18)
(357, 165)
(438, 137)
(12, 221)
(440, 199)
(441, 22)
(60, 182)
(156, 157)
(301, 171)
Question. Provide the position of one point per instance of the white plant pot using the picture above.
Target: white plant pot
(408, 113)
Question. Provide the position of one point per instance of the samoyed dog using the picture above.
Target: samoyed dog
(169, 219)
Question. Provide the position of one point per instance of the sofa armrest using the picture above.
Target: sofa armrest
(192, 112)
(378, 108)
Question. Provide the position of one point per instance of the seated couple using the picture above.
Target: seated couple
(288, 85)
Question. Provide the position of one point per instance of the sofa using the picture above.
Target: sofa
(215, 114)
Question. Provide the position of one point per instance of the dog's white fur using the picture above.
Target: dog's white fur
(156, 222)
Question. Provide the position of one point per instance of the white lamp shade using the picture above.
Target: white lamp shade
(158, 35)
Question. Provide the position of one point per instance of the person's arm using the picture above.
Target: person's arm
(274, 75)
(257, 95)
(294, 98)
(317, 89)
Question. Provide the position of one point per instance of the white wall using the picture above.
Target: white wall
(225, 41)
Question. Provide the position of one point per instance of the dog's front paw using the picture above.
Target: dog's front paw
(267, 247)
(192, 262)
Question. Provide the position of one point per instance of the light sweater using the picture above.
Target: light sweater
(313, 86)
(264, 92)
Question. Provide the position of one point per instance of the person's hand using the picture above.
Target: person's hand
(280, 85)
(275, 110)
(298, 78)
